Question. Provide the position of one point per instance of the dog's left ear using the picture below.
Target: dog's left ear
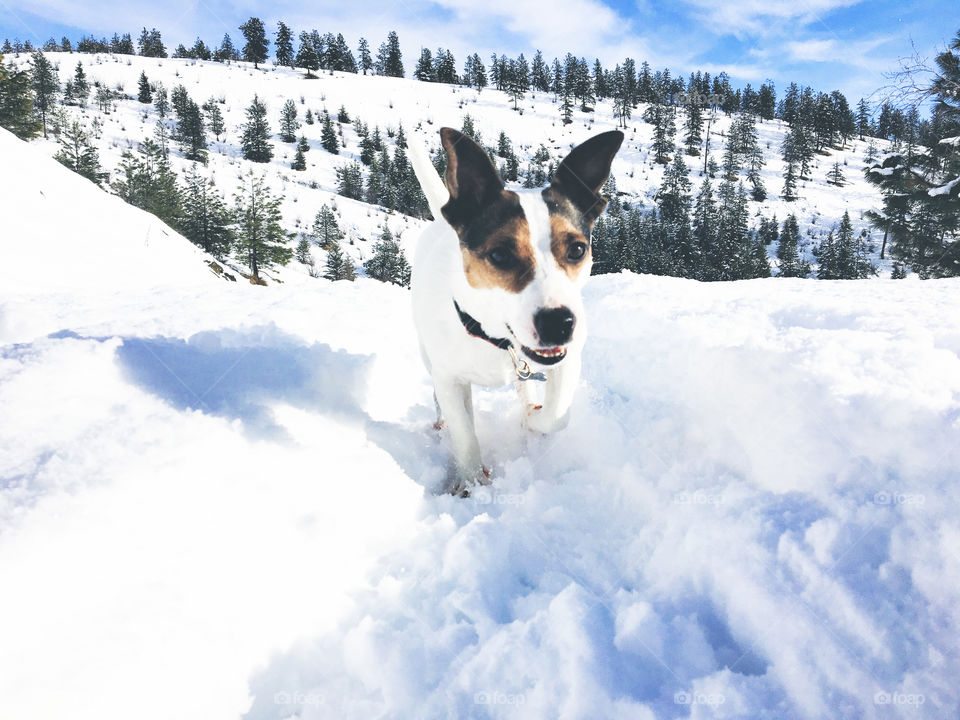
(584, 171)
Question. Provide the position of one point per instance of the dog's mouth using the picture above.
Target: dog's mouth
(545, 356)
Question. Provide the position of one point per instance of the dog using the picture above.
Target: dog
(496, 286)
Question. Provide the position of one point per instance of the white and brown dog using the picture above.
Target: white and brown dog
(497, 285)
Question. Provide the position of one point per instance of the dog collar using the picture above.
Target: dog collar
(474, 329)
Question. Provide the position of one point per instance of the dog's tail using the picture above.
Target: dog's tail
(430, 182)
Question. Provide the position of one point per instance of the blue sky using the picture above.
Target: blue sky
(829, 44)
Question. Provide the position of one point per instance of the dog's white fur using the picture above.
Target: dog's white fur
(457, 360)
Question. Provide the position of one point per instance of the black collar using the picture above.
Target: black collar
(472, 326)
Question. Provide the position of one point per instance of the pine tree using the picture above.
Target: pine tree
(835, 176)
(205, 219)
(255, 49)
(350, 181)
(214, 118)
(16, 102)
(326, 230)
(328, 135)
(790, 182)
(284, 43)
(148, 182)
(664, 130)
(899, 271)
(255, 139)
(192, 133)
(366, 60)
(160, 102)
(307, 55)
(387, 262)
(342, 116)
(299, 161)
(827, 255)
(694, 129)
(390, 57)
(339, 266)
(566, 107)
(260, 238)
(145, 95)
(46, 87)
(308, 118)
(226, 52)
(288, 122)
(303, 145)
(788, 251)
(81, 88)
(79, 154)
(302, 253)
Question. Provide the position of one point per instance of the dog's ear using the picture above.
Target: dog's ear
(472, 180)
(584, 171)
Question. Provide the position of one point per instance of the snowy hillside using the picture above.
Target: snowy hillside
(425, 107)
(216, 498)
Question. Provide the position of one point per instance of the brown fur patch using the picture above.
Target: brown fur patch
(512, 234)
(563, 234)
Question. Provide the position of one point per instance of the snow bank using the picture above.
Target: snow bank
(62, 232)
(752, 513)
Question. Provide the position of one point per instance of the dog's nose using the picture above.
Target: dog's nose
(554, 325)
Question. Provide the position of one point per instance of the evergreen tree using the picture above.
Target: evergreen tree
(79, 154)
(145, 95)
(835, 176)
(788, 251)
(308, 118)
(366, 60)
(81, 88)
(255, 139)
(790, 182)
(148, 182)
(387, 262)
(150, 43)
(693, 128)
(343, 117)
(664, 130)
(226, 52)
(46, 87)
(339, 266)
(326, 230)
(307, 55)
(328, 135)
(160, 102)
(255, 49)
(566, 107)
(214, 118)
(863, 118)
(303, 145)
(260, 238)
(424, 70)
(899, 271)
(390, 57)
(288, 122)
(284, 43)
(299, 161)
(350, 181)
(302, 253)
(16, 102)
(191, 132)
(205, 218)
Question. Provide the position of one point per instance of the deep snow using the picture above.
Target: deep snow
(216, 498)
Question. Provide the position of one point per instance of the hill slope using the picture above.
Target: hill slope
(216, 501)
(422, 108)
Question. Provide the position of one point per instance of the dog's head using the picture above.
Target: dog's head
(526, 255)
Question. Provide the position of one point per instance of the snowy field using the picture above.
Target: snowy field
(422, 108)
(217, 500)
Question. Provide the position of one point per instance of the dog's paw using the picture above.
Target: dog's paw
(538, 421)
(463, 483)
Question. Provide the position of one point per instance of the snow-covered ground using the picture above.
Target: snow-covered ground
(422, 108)
(216, 499)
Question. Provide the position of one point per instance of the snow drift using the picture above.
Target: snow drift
(216, 499)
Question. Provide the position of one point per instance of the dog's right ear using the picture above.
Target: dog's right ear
(472, 179)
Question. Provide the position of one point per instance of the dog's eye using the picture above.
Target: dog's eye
(501, 257)
(576, 251)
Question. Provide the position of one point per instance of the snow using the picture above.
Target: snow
(945, 189)
(216, 498)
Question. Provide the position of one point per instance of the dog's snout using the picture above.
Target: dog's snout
(555, 325)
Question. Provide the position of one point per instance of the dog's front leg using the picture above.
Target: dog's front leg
(562, 383)
(455, 400)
